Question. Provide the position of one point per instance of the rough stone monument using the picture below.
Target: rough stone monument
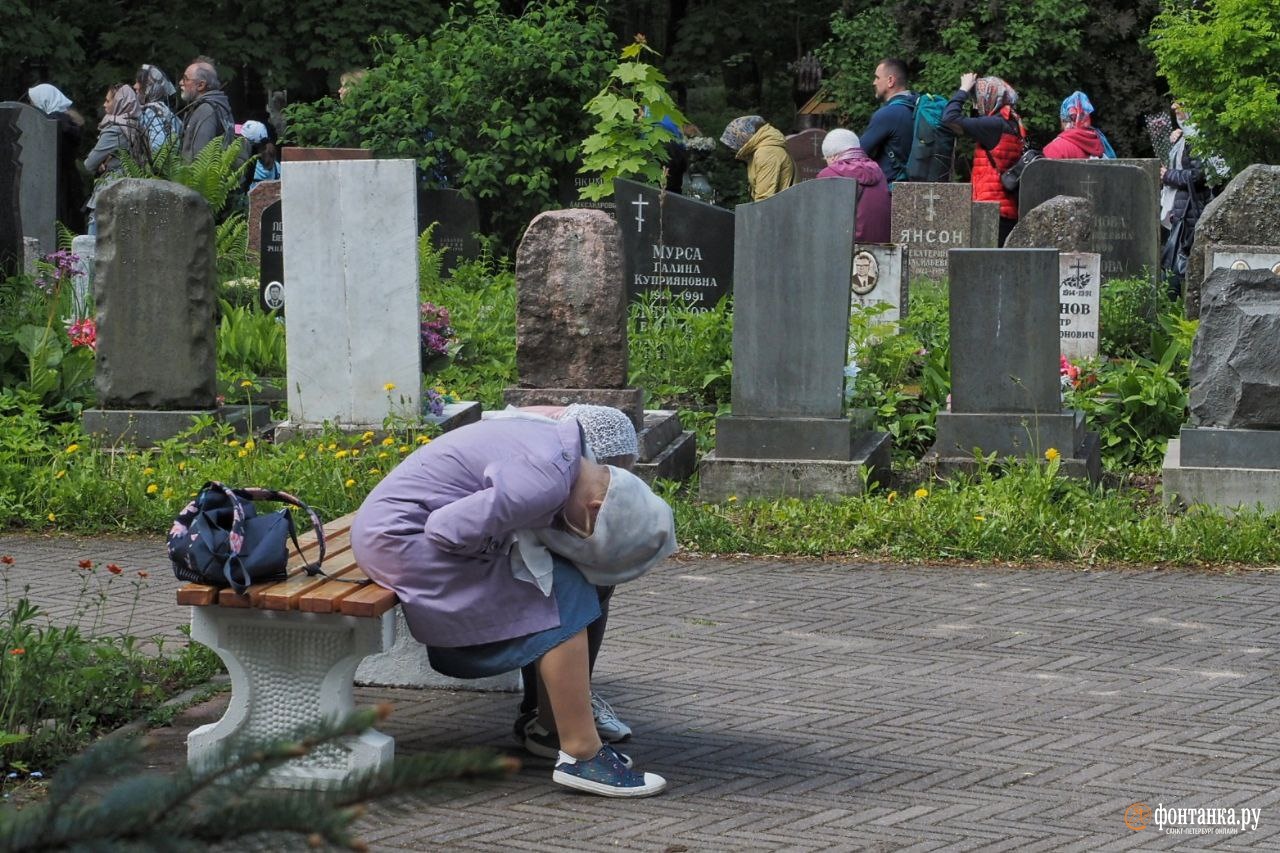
(674, 243)
(1245, 213)
(928, 220)
(789, 434)
(39, 179)
(571, 333)
(1126, 226)
(155, 292)
(1229, 455)
(805, 149)
(1063, 222)
(1006, 394)
(351, 285)
(1079, 298)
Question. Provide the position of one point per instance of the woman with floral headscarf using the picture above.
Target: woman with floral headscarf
(998, 136)
(157, 119)
(1079, 139)
(760, 145)
(49, 100)
(118, 131)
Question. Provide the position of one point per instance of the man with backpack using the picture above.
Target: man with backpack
(209, 114)
(888, 136)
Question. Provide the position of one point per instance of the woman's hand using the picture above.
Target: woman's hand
(1176, 135)
(968, 80)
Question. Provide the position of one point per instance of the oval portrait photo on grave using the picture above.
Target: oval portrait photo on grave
(866, 273)
(273, 296)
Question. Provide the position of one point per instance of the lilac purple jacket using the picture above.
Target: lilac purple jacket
(872, 221)
(437, 529)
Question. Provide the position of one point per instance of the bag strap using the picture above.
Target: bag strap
(312, 569)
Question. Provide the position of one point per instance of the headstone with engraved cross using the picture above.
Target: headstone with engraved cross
(928, 220)
(1079, 289)
(805, 149)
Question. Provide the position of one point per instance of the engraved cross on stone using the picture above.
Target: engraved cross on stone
(1078, 268)
(817, 145)
(931, 196)
(1088, 183)
(639, 204)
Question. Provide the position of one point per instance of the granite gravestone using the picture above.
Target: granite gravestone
(1126, 228)
(271, 257)
(571, 314)
(985, 229)
(880, 278)
(788, 434)
(1079, 290)
(805, 149)
(351, 285)
(1005, 386)
(457, 222)
(674, 243)
(1244, 258)
(39, 179)
(10, 192)
(1063, 222)
(85, 248)
(928, 220)
(570, 185)
(1229, 455)
(1245, 213)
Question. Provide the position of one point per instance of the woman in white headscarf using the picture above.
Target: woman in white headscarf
(118, 131)
(49, 100)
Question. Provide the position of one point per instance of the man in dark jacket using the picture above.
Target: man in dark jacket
(887, 139)
(209, 114)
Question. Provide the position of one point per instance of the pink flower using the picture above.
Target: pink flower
(84, 333)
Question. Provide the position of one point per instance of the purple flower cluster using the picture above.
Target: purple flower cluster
(434, 403)
(57, 267)
(436, 331)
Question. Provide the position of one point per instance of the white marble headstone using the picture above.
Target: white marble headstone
(879, 277)
(1079, 275)
(85, 248)
(351, 290)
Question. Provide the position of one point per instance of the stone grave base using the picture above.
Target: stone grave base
(1224, 487)
(786, 438)
(405, 664)
(666, 450)
(723, 477)
(454, 416)
(629, 400)
(962, 436)
(144, 428)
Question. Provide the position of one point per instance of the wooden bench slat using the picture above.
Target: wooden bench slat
(327, 597)
(371, 600)
(285, 595)
(335, 559)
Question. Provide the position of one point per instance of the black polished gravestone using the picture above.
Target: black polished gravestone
(1126, 225)
(457, 222)
(568, 188)
(271, 259)
(10, 192)
(674, 243)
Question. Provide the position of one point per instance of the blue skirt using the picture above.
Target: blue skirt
(579, 606)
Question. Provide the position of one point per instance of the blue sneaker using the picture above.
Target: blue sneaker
(606, 775)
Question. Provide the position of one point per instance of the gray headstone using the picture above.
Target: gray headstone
(262, 196)
(805, 149)
(1246, 213)
(39, 174)
(84, 247)
(457, 222)
(794, 256)
(1235, 363)
(674, 243)
(1063, 222)
(155, 290)
(985, 232)
(928, 220)
(1244, 258)
(880, 277)
(10, 192)
(571, 315)
(1126, 227)
(1079, 292)
(31, 253)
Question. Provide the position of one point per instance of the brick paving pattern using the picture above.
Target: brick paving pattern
(801, 706)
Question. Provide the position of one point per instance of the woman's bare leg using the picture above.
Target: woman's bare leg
(564, 676)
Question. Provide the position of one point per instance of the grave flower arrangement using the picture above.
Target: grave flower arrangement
(437, 333)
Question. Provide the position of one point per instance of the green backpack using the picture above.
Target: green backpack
(933, 146)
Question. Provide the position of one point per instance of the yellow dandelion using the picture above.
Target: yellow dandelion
(404, 448)
(891, 497)
(245, 383)
(732, 498)
(383, 455)
(302, 456)
(182, 466)
(60, 475)
(72, 448)
(148, 470)
(375, 471)
(51, 517)
(167, 493)
(130, 457)
(341, 454)
(367, 435)
(235, 442)
(355, 452)
(440, 390)
(921, 494)
(250, 444)
(152, 489)
(333, 445)
(422, 439)
(242, 454)
(389, 387)
(388, 441)
(1052, 454)
(349, 483)
(979, 518)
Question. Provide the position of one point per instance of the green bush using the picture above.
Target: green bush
(250, 342)
(1129, 315)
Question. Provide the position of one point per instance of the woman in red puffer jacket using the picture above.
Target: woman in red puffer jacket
(998, 137)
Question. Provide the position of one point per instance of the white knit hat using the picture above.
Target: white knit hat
(839, 141)
(608, 431)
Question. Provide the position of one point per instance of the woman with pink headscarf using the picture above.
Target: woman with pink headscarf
(998, 136)
(1079, 139)
(118, 131)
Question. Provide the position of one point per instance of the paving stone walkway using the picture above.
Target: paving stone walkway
(803, 706)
